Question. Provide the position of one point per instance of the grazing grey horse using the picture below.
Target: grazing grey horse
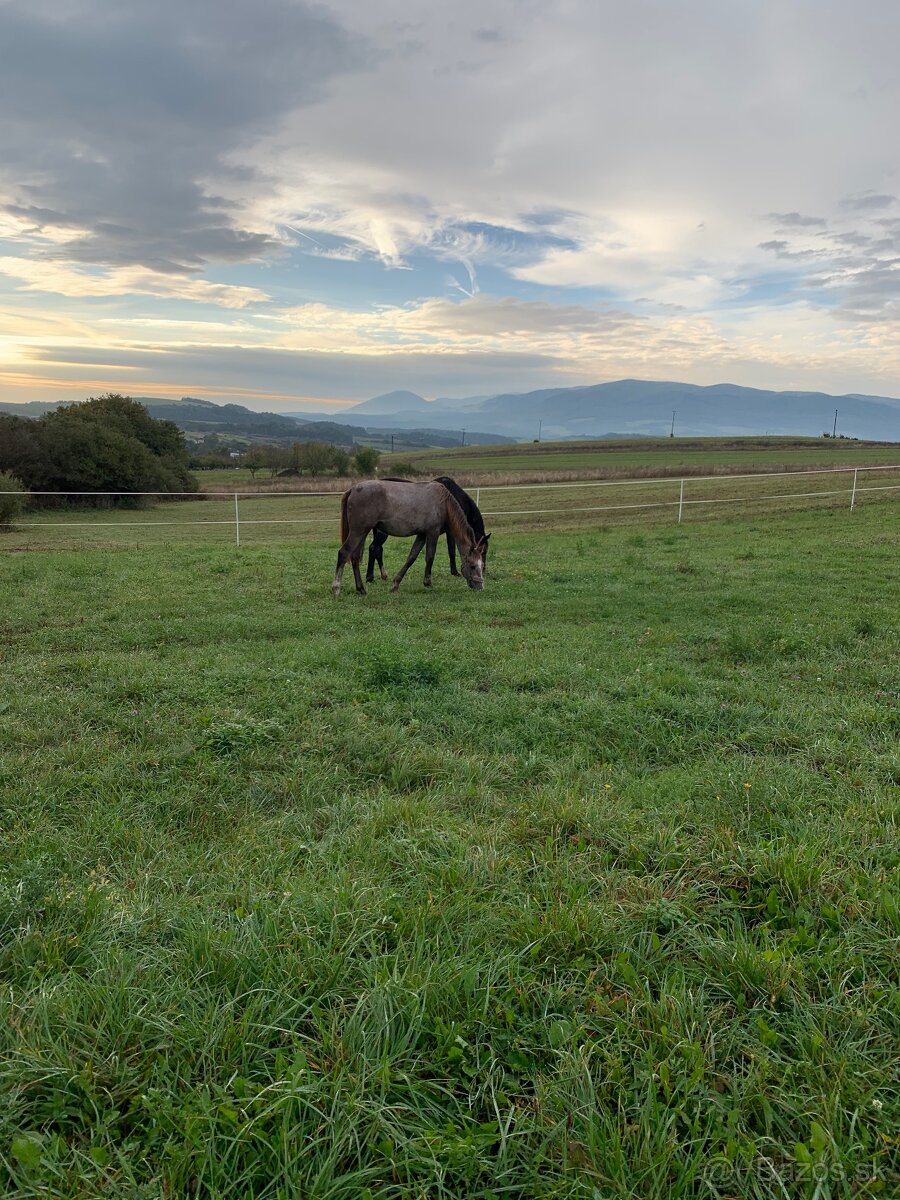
(471, 512)
(402, 509)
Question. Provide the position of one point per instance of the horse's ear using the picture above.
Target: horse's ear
(487, 538)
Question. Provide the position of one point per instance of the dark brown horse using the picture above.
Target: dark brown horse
(403, 509)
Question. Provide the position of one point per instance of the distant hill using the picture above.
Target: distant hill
(201, 417)
(634, 407)
(646, 407)
(392, 402)
(30, 408)
(197, 418)
(421, 439)
(235, 420)
(234, 423)
(623, 408)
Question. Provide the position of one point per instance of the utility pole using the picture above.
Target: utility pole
(834, 429)
(463, 442)
(392, 443)
(672, 430)
(540, 427)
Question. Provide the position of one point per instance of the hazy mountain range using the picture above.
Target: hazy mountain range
(235, 424)
(639, 407)
(628, 407)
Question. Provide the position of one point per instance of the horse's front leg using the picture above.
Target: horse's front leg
(382, 538)
(451, 550)
(413, 555)
(376, 555)
(430, 548)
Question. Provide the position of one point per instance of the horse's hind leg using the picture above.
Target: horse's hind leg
(413, 555)
(343, 555)
(350, 551)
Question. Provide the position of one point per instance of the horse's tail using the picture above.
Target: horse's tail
(345, 520)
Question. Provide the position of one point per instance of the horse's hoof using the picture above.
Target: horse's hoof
(361, 591)
(395, 587)
(427, 583)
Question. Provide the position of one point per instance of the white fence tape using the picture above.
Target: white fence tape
(680, 503)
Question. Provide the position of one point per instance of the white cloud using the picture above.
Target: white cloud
(42, 275)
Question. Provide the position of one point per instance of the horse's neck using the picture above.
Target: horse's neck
(475, 519)
(458, 524)
(470, 511)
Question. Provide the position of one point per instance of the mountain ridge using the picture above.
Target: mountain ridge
(645, 407)
(627, 407)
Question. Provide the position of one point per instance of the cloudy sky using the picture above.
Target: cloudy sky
(307, 204)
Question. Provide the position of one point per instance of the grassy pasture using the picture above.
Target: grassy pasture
(493, 464)
(584, 886)
(650, 453)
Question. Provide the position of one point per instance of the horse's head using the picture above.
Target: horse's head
(472, 563)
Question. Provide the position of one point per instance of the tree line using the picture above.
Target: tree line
(301, 458)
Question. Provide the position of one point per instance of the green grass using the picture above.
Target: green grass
(583, 886)
(752, 453)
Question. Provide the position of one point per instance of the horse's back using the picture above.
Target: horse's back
(396, 507)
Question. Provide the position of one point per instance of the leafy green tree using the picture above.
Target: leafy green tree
(254, 460)
(365, 460)
(162, 438)
(315, 457)
(275, 458)
(11, 505)
(20, 450)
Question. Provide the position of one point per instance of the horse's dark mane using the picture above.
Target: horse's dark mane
(457, 523)
(466, 503)
(470, 509)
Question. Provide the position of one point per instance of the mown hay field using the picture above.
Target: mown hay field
(583, 886)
